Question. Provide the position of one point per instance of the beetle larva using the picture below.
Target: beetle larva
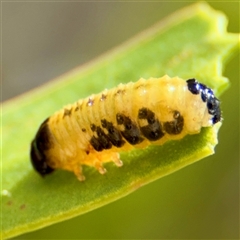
(94, 130)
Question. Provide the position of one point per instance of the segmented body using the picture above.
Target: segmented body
(94, 130)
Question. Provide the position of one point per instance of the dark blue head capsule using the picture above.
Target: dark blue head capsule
(207, 95)
(38, 147)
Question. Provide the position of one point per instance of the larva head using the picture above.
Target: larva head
(207, 95)
(38, 147)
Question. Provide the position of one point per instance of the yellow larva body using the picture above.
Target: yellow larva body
(94, 130)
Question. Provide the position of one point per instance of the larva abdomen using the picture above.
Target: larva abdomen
(94, 130)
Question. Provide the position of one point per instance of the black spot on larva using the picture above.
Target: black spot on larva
(39, 145)
(90, 102)
(96, 144)
(131, 132)
(105, 123)
(153, 130)
(93, 127)
(147, 114)
(67, 112)
(120, 91)
(103, 97)
(76, 109)
(138, 86)
(113, 134)
(217, 117)
(84, 130)
(213, 104)
(102, 138)
(193, 86)
(105, 142)
(176, 126)
(120, 118)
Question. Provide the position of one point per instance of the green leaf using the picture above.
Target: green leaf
(191, 43)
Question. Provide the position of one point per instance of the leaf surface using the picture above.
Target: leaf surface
(191, 43)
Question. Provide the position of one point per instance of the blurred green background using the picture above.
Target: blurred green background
(42, 40)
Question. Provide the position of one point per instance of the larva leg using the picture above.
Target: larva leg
(116, 159)
(107, 157)
(98, 165)
(78, 173)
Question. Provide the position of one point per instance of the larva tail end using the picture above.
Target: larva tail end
(38, 160)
